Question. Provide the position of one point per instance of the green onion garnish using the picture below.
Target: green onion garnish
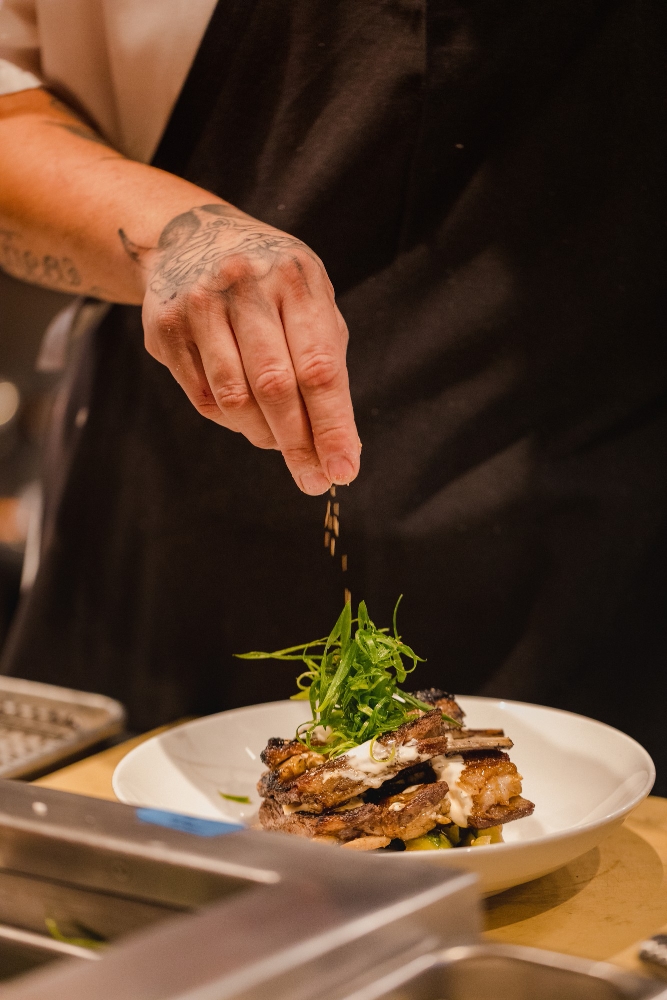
(351, 680)
(235, 798)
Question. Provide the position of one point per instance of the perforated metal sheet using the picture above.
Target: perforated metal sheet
(41, 724)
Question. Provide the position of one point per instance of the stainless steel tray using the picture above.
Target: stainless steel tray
(499, 972)
(41, 725)
(197, 908)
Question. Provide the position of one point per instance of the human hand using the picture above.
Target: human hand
(244, 317)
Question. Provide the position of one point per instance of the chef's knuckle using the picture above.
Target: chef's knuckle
(234, 396)
(274, 385)
(297, 274)
(205, 404)
(318, 370)
(239, 270)
(299, 455)
(167, 328)
(332, 438)
(198, 298)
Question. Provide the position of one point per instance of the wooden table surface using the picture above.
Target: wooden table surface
(599, 906)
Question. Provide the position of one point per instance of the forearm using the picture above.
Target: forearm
(242, 314)
(65, 198)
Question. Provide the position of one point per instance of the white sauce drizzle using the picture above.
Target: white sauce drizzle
(449, 769)
(360, 766)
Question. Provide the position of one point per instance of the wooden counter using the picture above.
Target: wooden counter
(599, 906)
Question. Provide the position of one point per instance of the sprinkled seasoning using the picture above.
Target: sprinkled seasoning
(332, 532)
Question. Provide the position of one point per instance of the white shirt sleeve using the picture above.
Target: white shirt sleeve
(19, 46)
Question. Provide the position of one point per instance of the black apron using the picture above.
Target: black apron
(484, 183)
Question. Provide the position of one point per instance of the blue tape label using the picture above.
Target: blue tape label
(188, 824)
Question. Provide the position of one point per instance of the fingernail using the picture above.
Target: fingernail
(314, 483)
(341, 470)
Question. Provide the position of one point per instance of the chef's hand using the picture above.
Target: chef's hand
(242, 314)
(244, 317)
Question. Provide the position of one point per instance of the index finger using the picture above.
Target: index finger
(317, 339)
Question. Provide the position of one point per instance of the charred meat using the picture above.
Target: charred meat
(376, 765)
(425, 774)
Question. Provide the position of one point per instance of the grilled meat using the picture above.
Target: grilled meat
(398, 786)
(444, 701)
(498, 814)
(483, 786)
(344, 777)
(418, 774)
(410, 813)
(277, 752)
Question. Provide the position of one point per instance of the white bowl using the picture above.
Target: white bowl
(584, 778)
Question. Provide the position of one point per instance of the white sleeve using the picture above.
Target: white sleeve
(19, 46)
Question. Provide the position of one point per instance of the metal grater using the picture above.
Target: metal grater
(41, 724)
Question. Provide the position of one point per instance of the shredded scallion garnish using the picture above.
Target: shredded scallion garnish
(351, 680)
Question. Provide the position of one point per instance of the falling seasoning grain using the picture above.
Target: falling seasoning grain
(332, 531)
(348, 596)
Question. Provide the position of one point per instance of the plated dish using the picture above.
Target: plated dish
(429, 784)
(584, 777)
(379, 767)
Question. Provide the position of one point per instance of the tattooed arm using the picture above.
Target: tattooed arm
(241, 313)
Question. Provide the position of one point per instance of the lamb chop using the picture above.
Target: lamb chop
(484, 788)
(377, 765)
(404, 816)
(326, 785)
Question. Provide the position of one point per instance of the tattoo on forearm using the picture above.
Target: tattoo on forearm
(197, 242)
(133, 250)
(54, 272)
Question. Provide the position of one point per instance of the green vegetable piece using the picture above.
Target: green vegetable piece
(431, 841)
(81, 942)
(235, 798)
(453, 833)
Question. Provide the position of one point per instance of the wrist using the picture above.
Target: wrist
(167, 229)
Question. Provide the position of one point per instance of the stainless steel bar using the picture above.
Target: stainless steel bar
(287, 911)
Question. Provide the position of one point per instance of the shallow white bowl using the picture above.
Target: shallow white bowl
(584, 778)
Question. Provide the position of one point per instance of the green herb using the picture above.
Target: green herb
(235, 798)
(351, 680)
(81, 942)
